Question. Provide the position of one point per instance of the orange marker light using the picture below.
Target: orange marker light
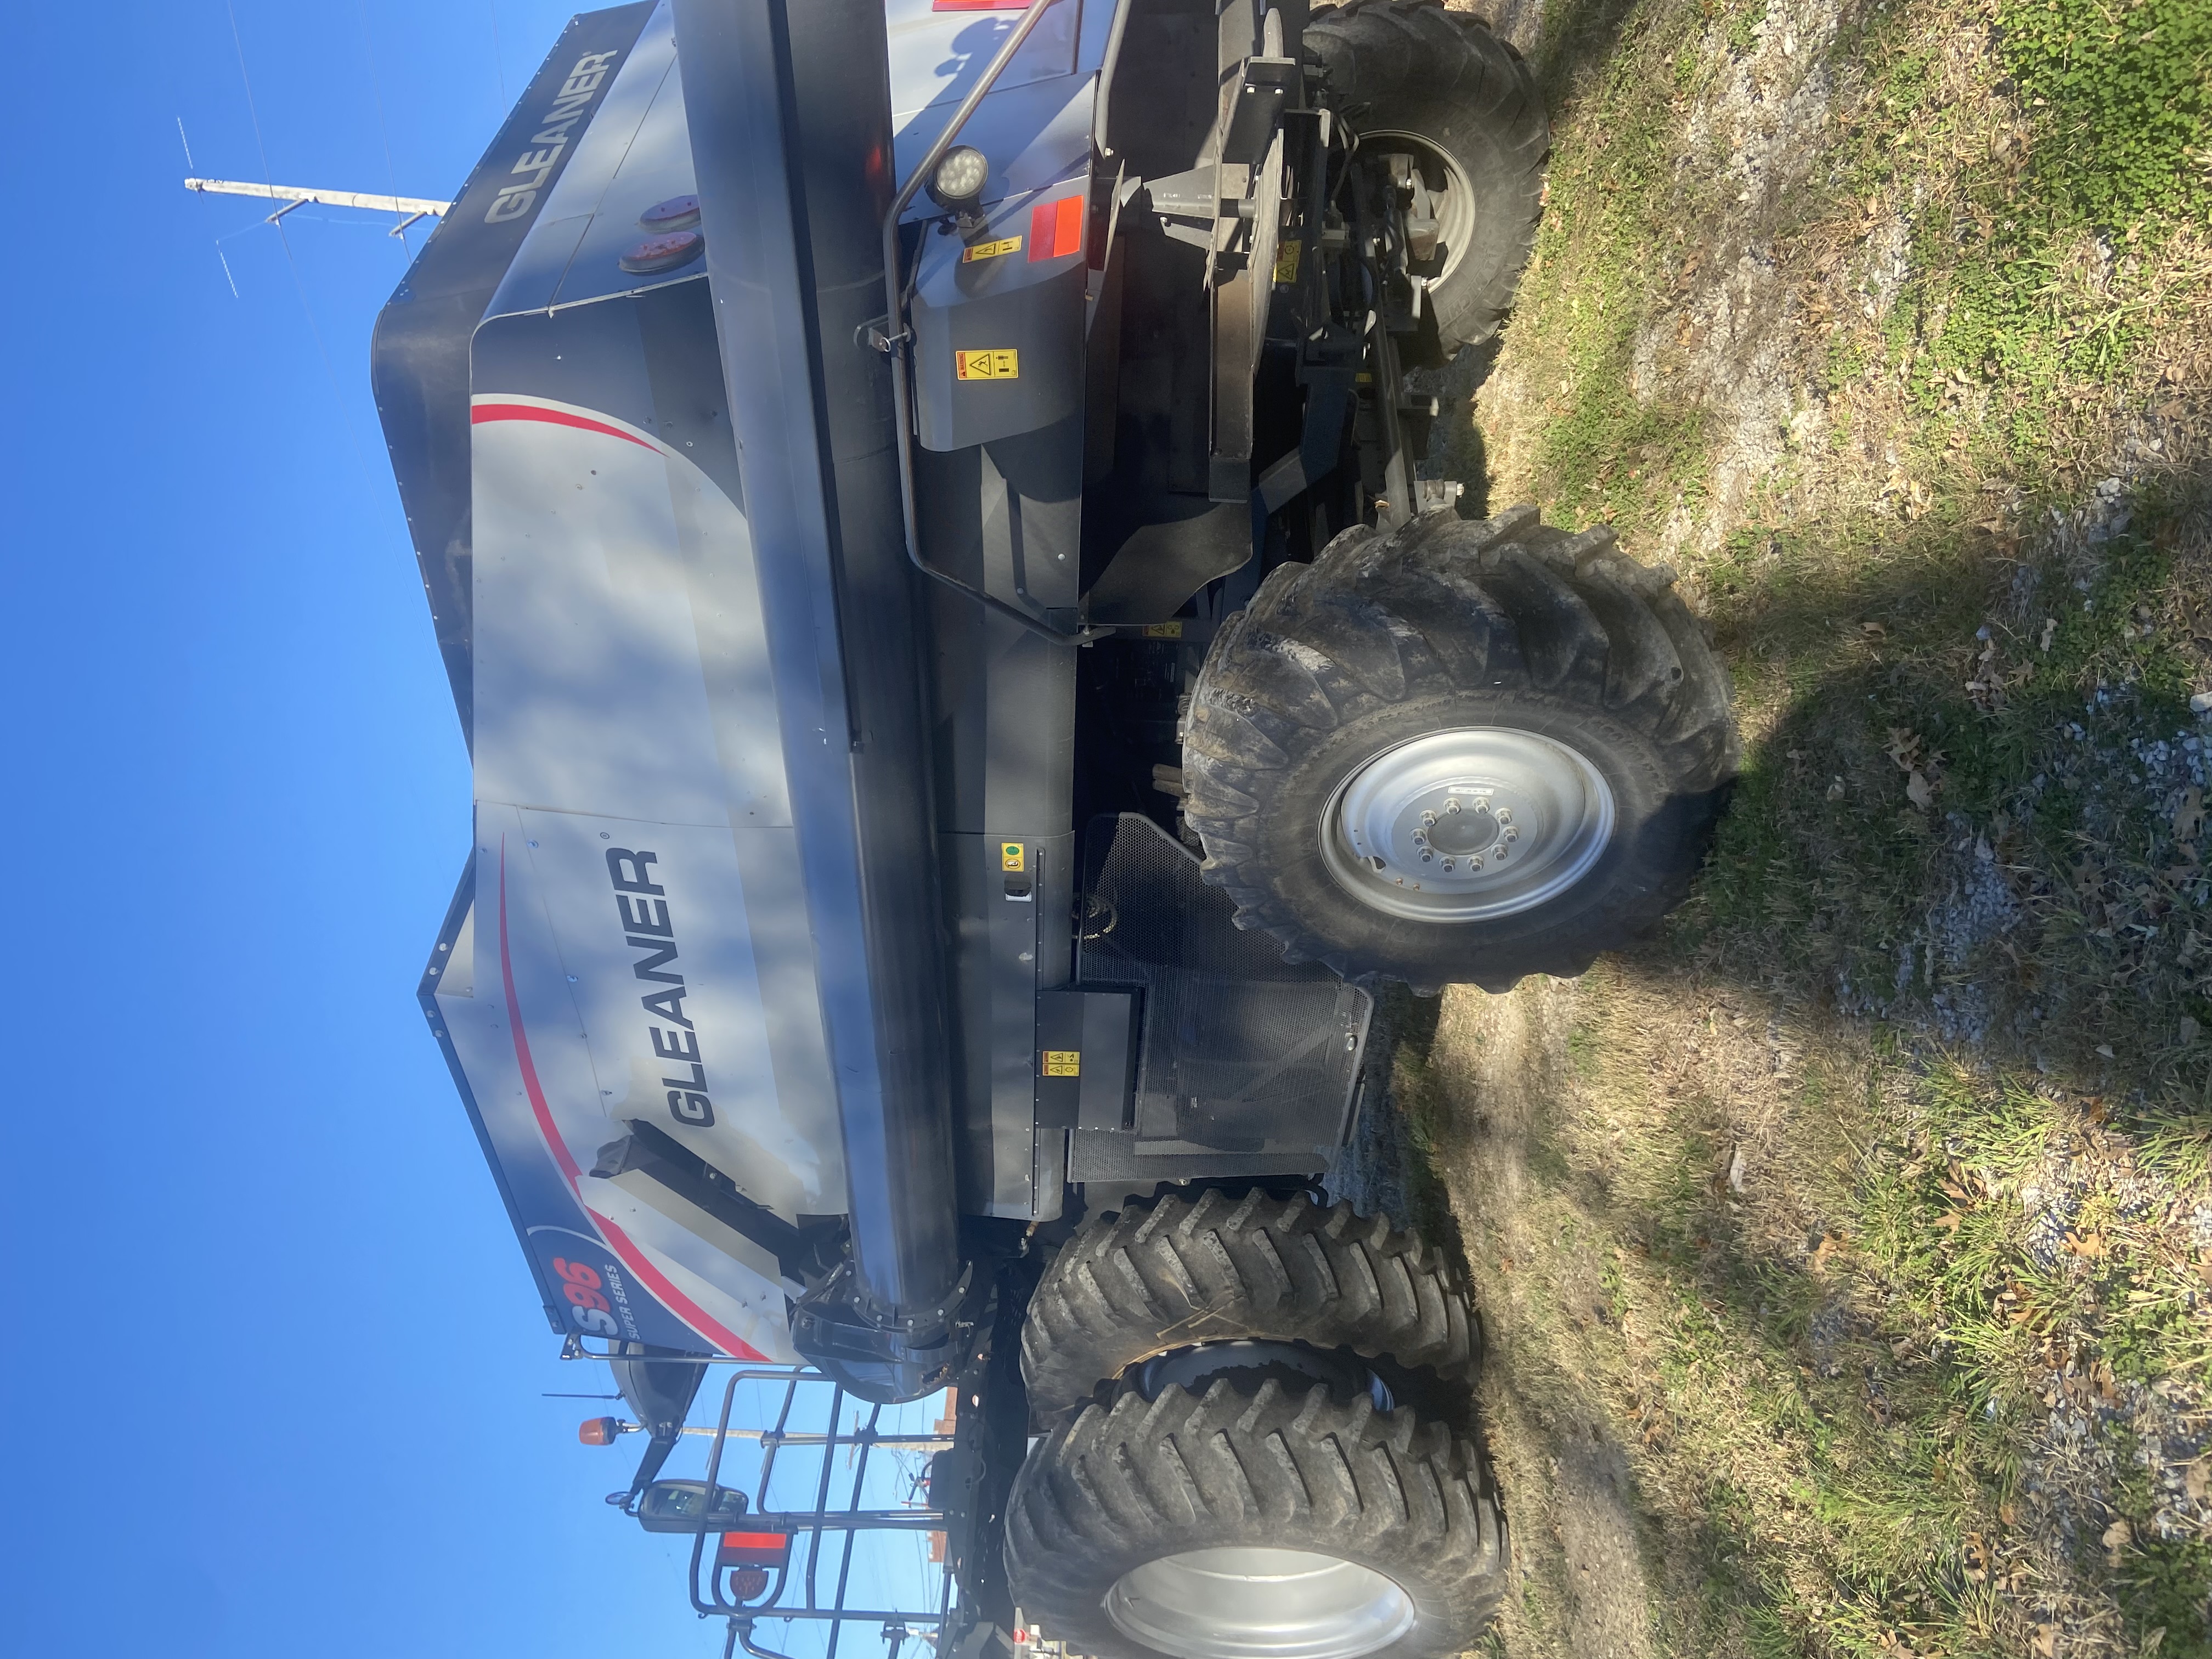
(599, 1431)
(1057, 228)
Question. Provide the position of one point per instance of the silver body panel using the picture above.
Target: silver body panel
(622, 655)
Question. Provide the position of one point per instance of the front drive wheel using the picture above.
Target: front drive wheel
(1460, 751)
(1277, 1525)
(1451, 104)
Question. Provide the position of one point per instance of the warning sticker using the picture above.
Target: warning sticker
(1002, 364)
(1010, 855)
(1287, 259)
(1063, 1062)
(991, 250)
(1166, 631)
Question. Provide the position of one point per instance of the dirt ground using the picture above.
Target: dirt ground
(1844, 1252)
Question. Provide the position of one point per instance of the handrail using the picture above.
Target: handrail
(895, 339)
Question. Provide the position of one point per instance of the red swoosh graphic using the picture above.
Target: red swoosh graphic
(617, 1241)
(480, 413)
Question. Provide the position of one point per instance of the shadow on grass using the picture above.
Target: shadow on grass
(1968, 814)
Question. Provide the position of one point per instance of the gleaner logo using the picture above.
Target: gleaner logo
(552, 139)
(646, 926)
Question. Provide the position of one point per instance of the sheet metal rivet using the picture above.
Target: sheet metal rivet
(571, 979)
(533, 843)
(605, 836)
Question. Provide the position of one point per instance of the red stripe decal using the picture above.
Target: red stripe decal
(617, 1241)
(479, 413)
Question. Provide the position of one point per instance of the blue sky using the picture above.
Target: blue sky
(276, 1365)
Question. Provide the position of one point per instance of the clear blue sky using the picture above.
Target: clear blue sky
(274, 1359)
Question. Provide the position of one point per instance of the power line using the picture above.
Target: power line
(299, 285)
(383, 132)
(498, 68)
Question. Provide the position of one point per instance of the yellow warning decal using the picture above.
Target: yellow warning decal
(1063, 1062)
(1010, 855)
(1287, 259)
(1167, 630)
(1004, 363)
(991, 250)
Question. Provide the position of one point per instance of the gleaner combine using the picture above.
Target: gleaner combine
(971, 690)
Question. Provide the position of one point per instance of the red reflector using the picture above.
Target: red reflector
(753, 1549)
(1057, 228)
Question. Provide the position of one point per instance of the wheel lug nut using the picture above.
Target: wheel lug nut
(1428, 858)
(1428, 819)
(1448, 867)
(1451, 806)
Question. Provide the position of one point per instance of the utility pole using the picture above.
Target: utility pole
(412, 206)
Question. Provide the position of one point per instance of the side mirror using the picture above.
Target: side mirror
(679, 1505)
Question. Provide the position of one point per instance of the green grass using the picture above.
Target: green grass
(1829, 1401)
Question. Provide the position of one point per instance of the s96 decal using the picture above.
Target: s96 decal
(588, 1302)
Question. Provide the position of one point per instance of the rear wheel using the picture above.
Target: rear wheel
(1455, 107)
(1281, 1524)
(1157, 1278)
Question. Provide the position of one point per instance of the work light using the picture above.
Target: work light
(958, 181)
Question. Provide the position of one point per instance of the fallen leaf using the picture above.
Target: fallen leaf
(2189, 816)
(2049, 628)
(2190, 1030)
(2106, 1049)
(2196, 1478)
(2117, 1538)
(1919, 791)
(1736, 1171)
(2047, 1641)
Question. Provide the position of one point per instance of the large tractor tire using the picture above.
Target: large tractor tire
(1414, 79)
(1279, 1524)
(1460, 751)
(1156, 1277)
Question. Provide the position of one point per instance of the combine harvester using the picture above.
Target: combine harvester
(969, 692)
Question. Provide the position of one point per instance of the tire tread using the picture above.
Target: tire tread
(1180, 1270)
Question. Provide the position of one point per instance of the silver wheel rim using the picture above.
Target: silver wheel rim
(1455, 209)
(1254, 1602)
(1467, 825)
